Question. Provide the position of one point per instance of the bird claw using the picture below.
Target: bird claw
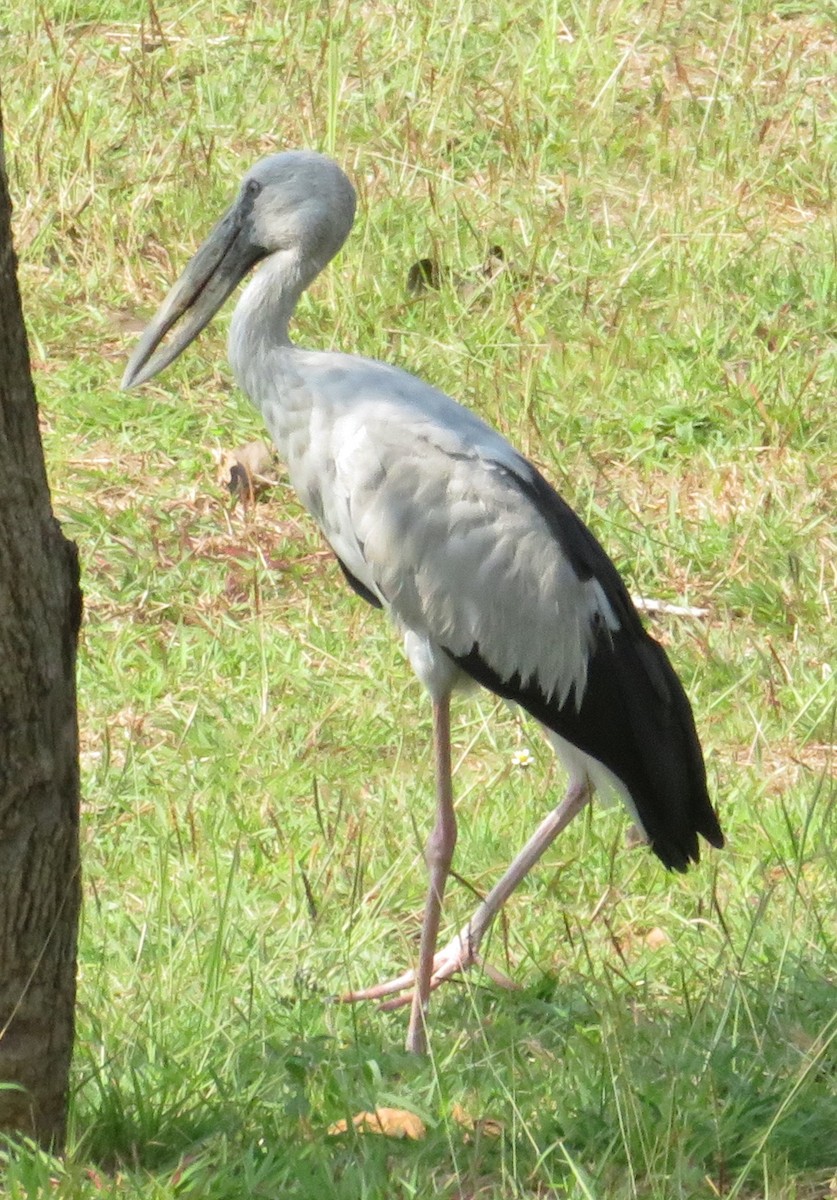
(456, 957)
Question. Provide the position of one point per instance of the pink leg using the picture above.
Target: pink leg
(461, 952)
(438, 855)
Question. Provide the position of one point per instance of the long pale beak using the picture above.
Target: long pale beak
(219, 265)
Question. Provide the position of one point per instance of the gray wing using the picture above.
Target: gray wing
(449, 535)
(468, 546)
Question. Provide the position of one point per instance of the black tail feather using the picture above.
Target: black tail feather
(634, 718)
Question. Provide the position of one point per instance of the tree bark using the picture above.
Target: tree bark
(40, 612)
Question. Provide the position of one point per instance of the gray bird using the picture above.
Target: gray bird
(434, 517)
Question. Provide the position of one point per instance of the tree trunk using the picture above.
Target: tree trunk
(40, 611)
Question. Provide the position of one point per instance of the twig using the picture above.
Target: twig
(670, 610)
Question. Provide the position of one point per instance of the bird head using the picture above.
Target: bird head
(297, 204)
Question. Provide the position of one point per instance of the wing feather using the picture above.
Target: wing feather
(464, 557)
(437, 517)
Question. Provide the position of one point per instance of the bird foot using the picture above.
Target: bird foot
(459, 954)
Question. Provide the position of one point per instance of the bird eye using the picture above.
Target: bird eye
(252, 188)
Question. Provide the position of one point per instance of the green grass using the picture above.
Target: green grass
(255, 752)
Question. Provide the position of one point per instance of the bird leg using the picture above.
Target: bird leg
(438, 856)
(461, 952)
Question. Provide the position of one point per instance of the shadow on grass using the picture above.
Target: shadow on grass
(562, 1082)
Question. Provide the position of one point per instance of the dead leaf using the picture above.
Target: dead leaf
(484, 1125)
(425, 275)
(391, 1122)
(428, 274)
(246, 471)
(462, 1117)
(655, 938)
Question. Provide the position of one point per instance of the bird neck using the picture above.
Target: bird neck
(260, 321)
(267, 303)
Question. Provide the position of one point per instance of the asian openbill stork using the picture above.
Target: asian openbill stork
(486, 571)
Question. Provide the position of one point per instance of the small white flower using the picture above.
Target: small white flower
(522, 758)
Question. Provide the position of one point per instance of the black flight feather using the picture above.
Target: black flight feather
(634, 716)
(361, 588)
